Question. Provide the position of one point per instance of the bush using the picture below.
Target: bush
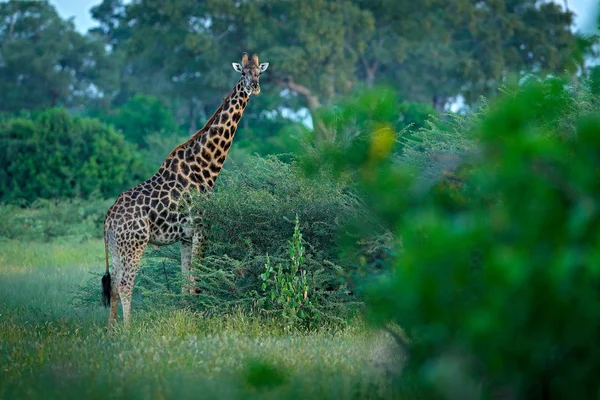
(252, 214)
(140, 117)
(55, 155)
(497, 279)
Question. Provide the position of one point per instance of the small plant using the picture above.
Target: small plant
(286, 288)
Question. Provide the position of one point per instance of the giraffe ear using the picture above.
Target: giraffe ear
(263, 67)
(237, 67)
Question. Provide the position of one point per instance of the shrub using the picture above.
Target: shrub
(55, 155)
(252, 214)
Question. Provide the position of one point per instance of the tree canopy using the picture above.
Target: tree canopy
(44, 61)
(180, 51)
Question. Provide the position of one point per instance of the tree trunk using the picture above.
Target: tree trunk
(439, 103)
(370, 77)
(313, 103)
(370, 71)
(330, 81)
(13, 20)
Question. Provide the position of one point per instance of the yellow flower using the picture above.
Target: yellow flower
(381, 143)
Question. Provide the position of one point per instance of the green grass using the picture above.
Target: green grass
(51, 348)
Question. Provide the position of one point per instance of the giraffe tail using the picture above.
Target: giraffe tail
(106, 278)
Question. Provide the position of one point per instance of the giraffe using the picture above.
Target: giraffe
(150, 213)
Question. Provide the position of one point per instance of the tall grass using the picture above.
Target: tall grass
(51, 349)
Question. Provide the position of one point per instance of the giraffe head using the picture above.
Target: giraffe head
(251, 70)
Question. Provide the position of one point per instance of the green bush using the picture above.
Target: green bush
(55, 155)
(252, 214)
(496, 282)
(139, 118)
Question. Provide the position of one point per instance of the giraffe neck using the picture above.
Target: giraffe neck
(197, 162)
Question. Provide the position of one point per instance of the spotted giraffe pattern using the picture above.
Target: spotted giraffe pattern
(150, 213)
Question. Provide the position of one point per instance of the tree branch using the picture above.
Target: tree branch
(313, 103)
(223, 34)
(311, 98)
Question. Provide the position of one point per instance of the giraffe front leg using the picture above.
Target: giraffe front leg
(191, 251)
(186, 264)
(198, 249)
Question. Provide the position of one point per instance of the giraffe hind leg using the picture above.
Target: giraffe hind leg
(130, 260)
(112, 280)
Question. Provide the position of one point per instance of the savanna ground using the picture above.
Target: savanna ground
(51, 347)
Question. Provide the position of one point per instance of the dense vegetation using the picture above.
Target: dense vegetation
(156, 73)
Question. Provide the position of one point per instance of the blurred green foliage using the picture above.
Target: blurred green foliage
(139, 118)
(45, 62)
(495, 280)
(371, 109)
(55, 155)
(261, 375)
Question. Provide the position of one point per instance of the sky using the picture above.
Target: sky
(79, 10)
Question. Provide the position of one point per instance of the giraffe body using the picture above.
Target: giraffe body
(150, 213)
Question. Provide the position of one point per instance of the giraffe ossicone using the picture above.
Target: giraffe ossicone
(150, 212)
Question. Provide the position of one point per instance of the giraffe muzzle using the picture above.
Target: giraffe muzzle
(255, 87)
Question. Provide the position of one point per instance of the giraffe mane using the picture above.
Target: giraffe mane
(210, 120)
(204, 129)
